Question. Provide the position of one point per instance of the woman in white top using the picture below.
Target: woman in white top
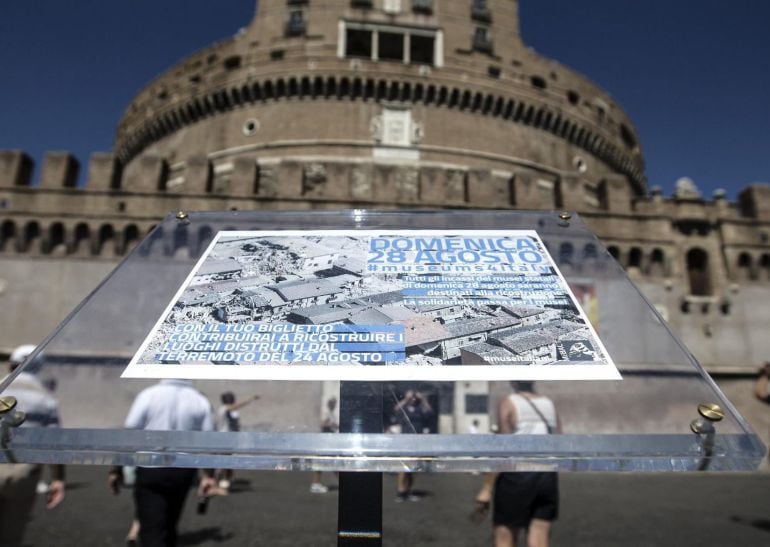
(523, 501)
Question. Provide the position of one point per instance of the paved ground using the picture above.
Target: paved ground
(276, 509)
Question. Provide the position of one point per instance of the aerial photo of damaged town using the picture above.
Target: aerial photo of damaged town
(322, 280)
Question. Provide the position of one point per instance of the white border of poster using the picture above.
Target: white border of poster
(423, 305)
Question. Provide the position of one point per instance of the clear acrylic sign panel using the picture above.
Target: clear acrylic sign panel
(641, 422)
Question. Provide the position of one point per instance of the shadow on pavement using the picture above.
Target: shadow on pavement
(204, 535)
(755, 522)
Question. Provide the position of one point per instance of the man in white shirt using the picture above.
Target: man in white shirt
(18, 481)
(159, 493)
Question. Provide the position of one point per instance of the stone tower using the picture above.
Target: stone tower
(382, 103)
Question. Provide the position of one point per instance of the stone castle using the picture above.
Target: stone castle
(329, 104)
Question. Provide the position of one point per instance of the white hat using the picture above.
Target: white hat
(21, 353)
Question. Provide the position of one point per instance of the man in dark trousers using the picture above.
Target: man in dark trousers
(159, 493)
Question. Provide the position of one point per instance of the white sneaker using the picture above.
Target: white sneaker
(224, 484)
(42, 487)
(318, 488)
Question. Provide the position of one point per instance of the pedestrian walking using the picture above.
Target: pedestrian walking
(229, 420)
(160, 493)
(412, 412)
(525, 502)
(19, 482)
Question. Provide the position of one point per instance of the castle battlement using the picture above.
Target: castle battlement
(650, 235)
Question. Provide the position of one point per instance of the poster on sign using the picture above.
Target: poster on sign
(376, 306)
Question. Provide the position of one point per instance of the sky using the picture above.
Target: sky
(692, 74)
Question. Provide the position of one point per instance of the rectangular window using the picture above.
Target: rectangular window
(389, 43)
(295, 26)
(422, 49)
(482, 40)
(358, 43)
(390, 46)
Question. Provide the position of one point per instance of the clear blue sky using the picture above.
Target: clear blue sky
(693, 74)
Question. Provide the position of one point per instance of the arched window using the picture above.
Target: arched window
(7, 235)
(635, 258)
(764, 265)
(614, 252)
(698, 272)
(180, 247)
(589, 252)
(130, 237)
(204, 238)
(566, 253)
(153, 245)
(657, 266)
(82, 239)
(106, 241)
(31, 236)
(745, 269)
(55, 243)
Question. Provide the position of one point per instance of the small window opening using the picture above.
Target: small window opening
(601, 113)
(480, 11)
(482, 40)
(277, 54)
(698, 272)
(250, 127)
(493, 71)
(232, 62)
(295, 26)
(627, 136)
(573, 97)
(422, 6)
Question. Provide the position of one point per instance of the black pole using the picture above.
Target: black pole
(359, 511)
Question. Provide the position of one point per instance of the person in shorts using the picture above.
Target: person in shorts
(523, 501)
(229, 420)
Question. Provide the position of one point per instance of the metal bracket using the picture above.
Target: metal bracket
(9, 418)
(703, 427)
(183, 218)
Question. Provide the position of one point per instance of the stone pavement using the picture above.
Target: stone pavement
(276, 509)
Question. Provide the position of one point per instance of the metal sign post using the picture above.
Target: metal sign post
(359, 516)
